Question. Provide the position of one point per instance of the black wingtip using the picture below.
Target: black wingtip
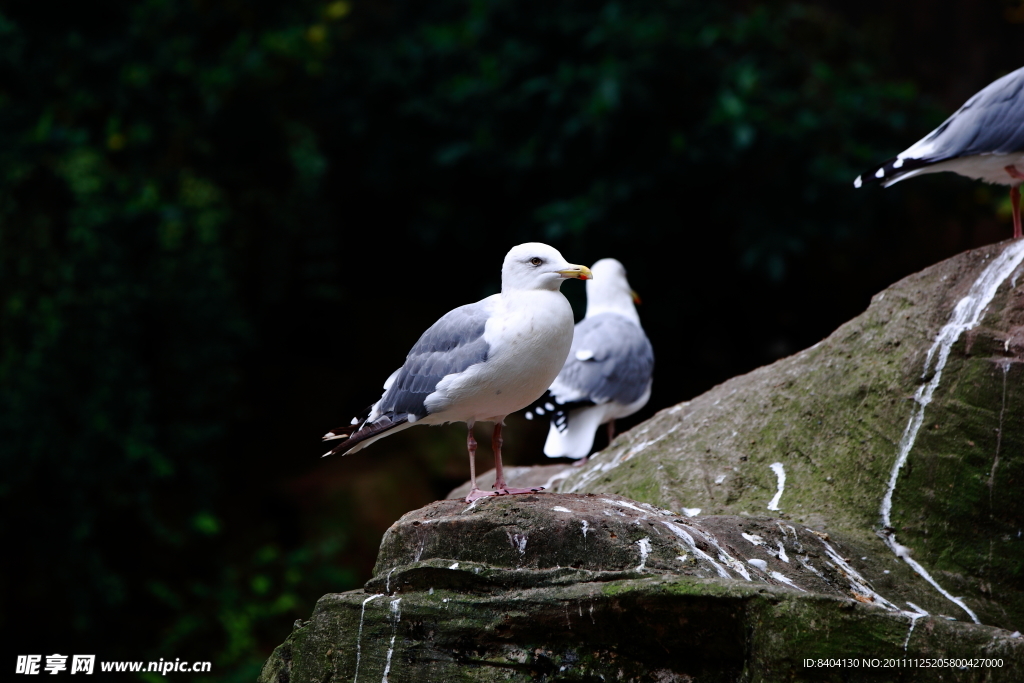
(550, 407)
(367, 430)
(891, 171)
(876, 175)
(349, 429)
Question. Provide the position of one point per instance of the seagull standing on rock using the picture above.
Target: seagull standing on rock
(480, 362)
(983, 140)
(607, 374)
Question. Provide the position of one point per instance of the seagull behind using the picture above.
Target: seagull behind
(607, 374)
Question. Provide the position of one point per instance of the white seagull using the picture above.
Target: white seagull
(481, 361)
(983, 140)
(607, 375)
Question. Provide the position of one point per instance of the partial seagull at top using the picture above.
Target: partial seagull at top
(607, 375)
(983, 140)
(480, 362)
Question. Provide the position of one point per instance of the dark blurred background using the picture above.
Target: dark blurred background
(224, 223)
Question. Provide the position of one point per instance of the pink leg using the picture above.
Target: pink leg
(1015, 199)
(471, 447)
(499, 476)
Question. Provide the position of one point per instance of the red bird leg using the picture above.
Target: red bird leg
(1015, 199)
(471, 447)
(611, 430)
(499, 476)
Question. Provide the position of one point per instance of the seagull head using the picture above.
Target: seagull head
(609, 291)
(537, 266)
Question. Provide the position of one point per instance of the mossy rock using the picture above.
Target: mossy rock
(834, 416)
(564, 587)
(680, 553)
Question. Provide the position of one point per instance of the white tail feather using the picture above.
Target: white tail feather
(578, 438)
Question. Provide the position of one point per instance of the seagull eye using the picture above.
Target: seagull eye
(536, 261)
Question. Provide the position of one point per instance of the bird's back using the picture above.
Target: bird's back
(990, 122)
(610, 359)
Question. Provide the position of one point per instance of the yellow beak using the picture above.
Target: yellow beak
(636, 297)
(577, 272)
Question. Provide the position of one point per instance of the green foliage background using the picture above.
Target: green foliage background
(222, 224)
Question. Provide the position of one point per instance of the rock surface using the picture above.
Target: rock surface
(567, 587)
(859, 499)
(836, 418)
(522, 477)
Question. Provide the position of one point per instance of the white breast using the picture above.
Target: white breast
(529, 335)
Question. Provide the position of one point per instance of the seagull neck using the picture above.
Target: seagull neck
(554, 288)
(626, 310)
(547, 284)
(533, 300)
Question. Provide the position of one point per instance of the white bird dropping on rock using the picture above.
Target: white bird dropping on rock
(780, 474)
(481, 361)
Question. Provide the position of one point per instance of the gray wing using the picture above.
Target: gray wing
(991, 122)
(621, 365)
(451, 345)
